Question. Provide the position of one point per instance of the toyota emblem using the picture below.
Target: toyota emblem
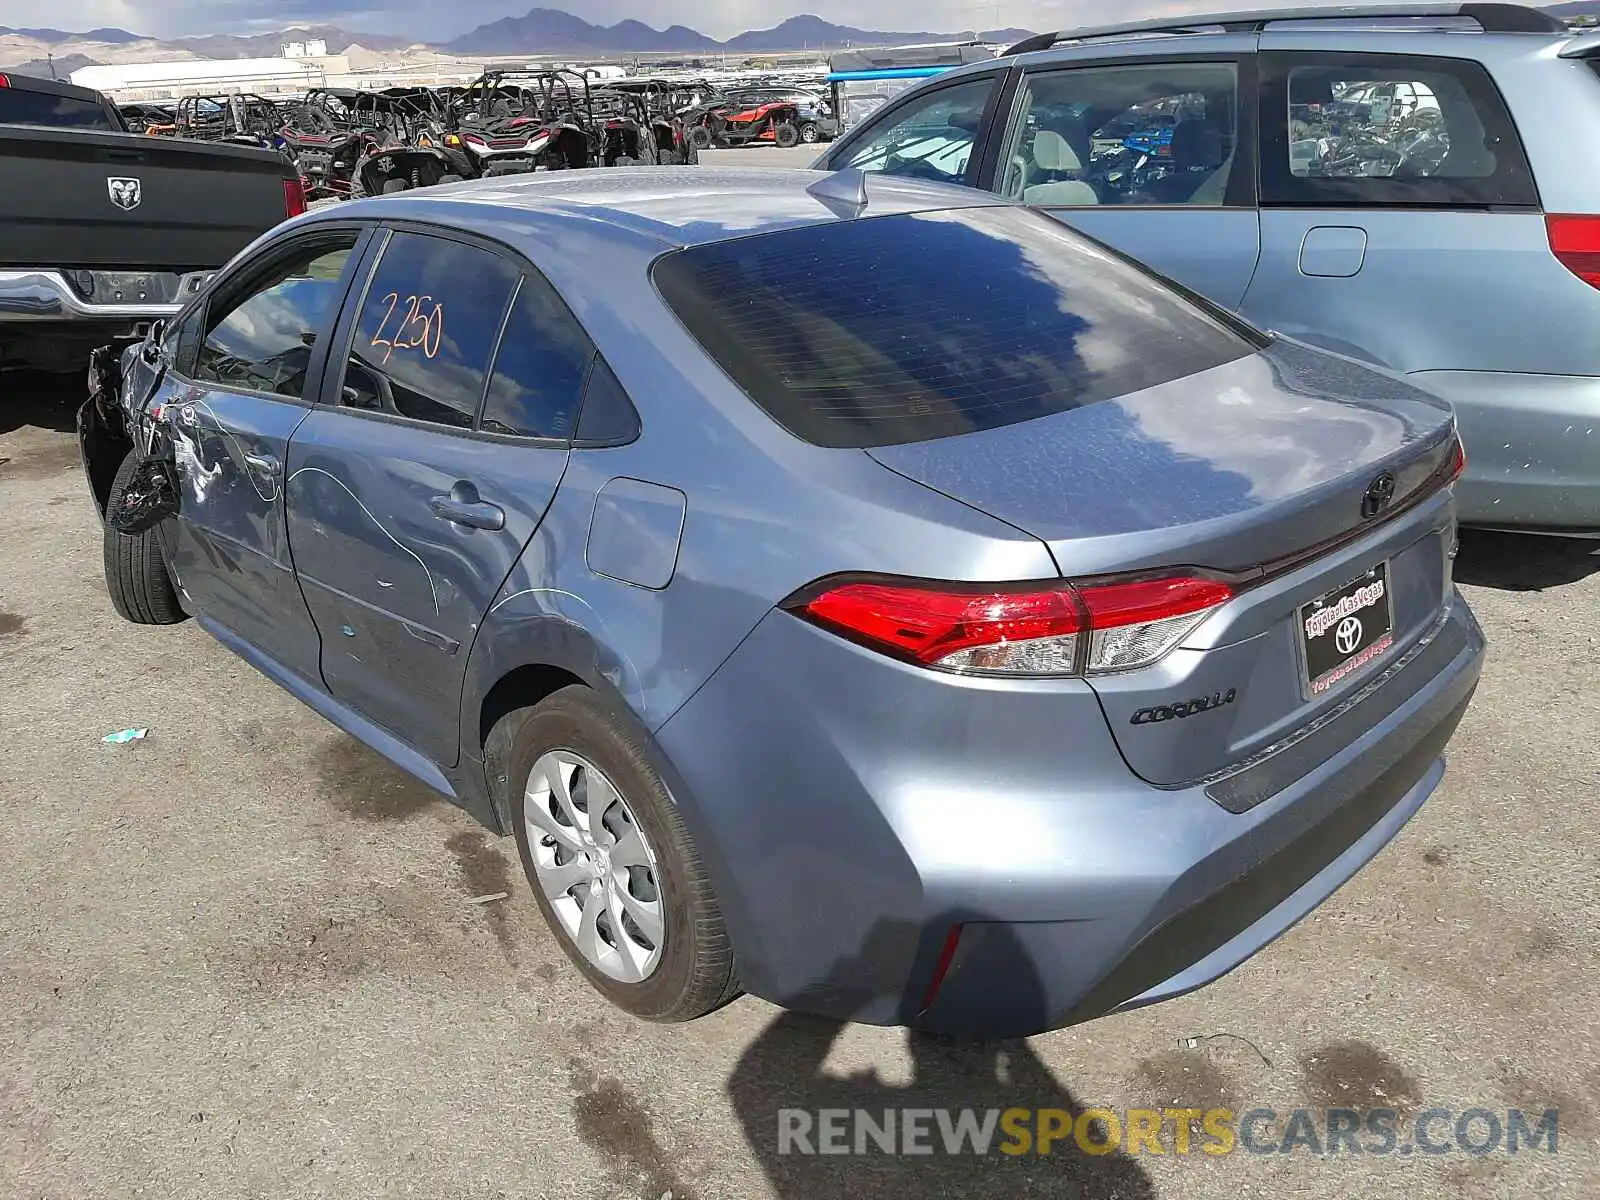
(1379, 495)
(1348, 636)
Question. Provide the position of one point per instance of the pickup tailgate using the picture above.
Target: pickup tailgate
(176, 206)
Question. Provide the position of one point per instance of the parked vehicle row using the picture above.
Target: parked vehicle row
(350, 143)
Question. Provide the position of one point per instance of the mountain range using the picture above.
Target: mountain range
(539, 31)
(550, 31)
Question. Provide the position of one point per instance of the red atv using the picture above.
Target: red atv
(773, 121)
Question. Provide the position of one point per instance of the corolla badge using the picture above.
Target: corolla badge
(125, 193)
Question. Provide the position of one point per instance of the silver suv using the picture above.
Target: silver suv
(1413, 185)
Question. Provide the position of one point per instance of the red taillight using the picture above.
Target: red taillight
(294, 196)
(1038, 631)
(1141, 601)
(932, 624)
(1134, 623)
(1458, 461)
(5, 81)
(947, 954)
(1575, 241)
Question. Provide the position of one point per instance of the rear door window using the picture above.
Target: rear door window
(1351, 130)
(433, 312)
(885, 330)
(1135, 135)
(539, 374)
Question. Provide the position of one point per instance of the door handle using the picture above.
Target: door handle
(265, 463)
(463, 506)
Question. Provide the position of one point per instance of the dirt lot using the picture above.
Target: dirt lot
(238, 958)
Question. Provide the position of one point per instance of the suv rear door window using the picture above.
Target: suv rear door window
(886, 330)
(433, 312)
(1389, 130)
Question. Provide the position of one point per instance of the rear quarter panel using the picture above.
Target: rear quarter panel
(765, 513)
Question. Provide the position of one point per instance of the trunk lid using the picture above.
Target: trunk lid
(1260, 468)
(193, 207)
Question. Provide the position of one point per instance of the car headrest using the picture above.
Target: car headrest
(1310, 87)
(1196, 144)
(1052, 152)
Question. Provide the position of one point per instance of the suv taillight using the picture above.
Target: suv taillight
(1030, 630)
(294, 196)
(1575, 241)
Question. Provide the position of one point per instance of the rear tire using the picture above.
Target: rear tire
(699, 138)
(810, 134)
(391, 186)
(787, 136)
(693, 972)
(137, 578)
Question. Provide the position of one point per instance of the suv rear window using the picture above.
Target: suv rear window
(1392, 130)
(19, 107)
(885, 330)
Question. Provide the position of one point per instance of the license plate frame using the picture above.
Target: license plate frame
(1329, 656)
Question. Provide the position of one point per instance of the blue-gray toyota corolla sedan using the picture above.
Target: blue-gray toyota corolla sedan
(869, 595)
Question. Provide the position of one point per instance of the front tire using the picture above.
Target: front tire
(787, 136)
(610, 861)
(810, 134)
(137, 578)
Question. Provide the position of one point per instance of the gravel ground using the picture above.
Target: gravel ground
(238, 959)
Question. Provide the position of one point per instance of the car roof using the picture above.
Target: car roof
(1497, 29)
(656, 208)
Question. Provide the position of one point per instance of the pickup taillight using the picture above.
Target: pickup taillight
(294, 196)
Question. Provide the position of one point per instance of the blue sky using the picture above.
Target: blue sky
(427, 19)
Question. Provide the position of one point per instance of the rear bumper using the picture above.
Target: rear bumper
(851, 815)
(47, 296)
(1533, 448)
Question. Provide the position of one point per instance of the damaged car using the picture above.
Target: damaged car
(535, 486)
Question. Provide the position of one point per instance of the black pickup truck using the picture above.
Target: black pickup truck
(103, 231)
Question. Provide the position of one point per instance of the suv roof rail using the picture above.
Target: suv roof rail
(1492, 18)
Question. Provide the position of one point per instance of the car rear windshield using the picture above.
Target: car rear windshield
(18, 107)
(886, 330)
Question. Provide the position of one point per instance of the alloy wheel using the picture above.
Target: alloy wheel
(595, 865)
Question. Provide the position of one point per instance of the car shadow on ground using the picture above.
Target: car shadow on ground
(1520, 562)
(40, 399)
(783, 1069)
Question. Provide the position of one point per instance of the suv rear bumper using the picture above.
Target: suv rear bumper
(853, 813)
(46, 295)
(1533, 448)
